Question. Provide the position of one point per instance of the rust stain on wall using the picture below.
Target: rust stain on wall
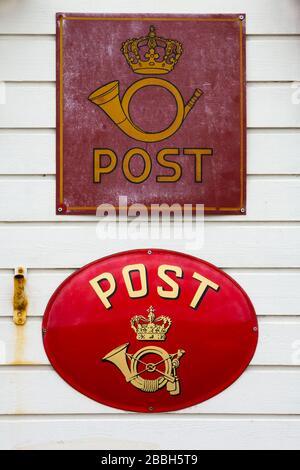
(19, 346)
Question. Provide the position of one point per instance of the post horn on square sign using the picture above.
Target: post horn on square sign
(107, 97)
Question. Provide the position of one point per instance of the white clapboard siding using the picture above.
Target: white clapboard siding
(273, 59)
(38, 410)
(30, 105)
(226, 244)
(279, 343)
(40, 390)
(29, 58)
(168, 432)
(265, 152)
(33, 151)
(29, 152)
(33, 105)
(269, 199)
(21, 345)
(273, 105)
(32, 58)
(263, 16)
(273, 292)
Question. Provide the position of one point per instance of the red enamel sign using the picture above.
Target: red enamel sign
(152, 107)
(150, 331)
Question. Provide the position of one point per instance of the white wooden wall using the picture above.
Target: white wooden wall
(261, 250)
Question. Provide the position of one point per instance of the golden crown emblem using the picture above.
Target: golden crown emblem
(152, 54)
(150, 328)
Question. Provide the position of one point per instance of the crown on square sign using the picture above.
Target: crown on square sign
(152, 54)
(150, 328)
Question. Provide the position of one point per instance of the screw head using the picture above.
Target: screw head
(255, 328)
(62, 208)
(151, 408)
(149, 252)
(241, 17)
(243, 210)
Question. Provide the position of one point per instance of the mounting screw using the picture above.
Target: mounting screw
(241, 17)
(243, 210)
(255, 328)
(149, 252)
(150, 408)
(60, 209)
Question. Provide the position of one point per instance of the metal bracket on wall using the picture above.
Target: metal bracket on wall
(20, 301)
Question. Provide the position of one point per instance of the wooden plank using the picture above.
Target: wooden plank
(273, 292)
(151, 432)
(33, 152)
(269, 199)
(272, 106)
(273, 59)
(21, 346)
(265, 152)
(29, 58)
(55, 245)
(260, 285)
(263, 391)
(30, 105)
(27, 152)
(33, 106)
(279, 343)
(263, 16)
(32, 58)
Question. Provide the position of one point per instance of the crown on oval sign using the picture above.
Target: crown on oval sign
(150, 328)
(152, 54)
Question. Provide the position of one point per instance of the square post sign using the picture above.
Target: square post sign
(151, 108)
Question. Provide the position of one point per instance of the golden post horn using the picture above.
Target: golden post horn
(108, 99)
(118, 357)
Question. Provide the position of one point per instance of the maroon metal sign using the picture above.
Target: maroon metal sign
(151, 107)
(150, 331)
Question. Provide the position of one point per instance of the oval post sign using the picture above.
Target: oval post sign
(150, 331)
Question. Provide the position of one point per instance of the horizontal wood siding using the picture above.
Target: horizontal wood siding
(260, 250)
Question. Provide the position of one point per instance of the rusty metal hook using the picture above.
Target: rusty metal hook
(20, 301)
